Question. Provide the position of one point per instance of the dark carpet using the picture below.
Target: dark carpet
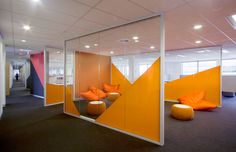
(27, 126)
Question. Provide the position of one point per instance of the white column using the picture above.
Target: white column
(2, 76)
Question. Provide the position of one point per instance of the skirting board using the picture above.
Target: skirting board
(37, 96)
(46, 105)
(118, 130)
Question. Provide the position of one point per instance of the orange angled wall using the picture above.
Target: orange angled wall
(70, 107)
(137, 110)
(208, 81)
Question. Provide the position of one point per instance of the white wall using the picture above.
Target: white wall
(229, 83)
(2, 76)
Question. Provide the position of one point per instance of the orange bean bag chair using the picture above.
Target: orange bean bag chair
(89, 95)
(196, 100)
(111, 88)
(98, 92)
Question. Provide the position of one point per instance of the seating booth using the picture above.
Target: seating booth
(114, 78)
(193, 77)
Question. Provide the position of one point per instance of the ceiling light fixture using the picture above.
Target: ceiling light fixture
(232, 20)
(87, 46)
(135, 38)
(95, 44)
(58, 52)
(198, 42)
(36, 1)
(197, 27)
(152, 47)
(111, 52)
(26, 27)
(136, 41)
(23, 41)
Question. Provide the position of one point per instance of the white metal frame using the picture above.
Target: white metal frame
(162, 57)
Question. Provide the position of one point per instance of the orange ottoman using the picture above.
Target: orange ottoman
(96, 107)
(112, 96)
(182, 112)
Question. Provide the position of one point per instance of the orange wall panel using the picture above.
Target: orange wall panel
(119, 78)
(91, 70)
(69, 103)
(137, 110)
(208, 80)
(54, 94)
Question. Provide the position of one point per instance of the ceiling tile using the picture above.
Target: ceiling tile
(89, 2)
(123, 8)
(103, 18)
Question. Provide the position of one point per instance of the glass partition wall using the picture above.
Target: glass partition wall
(180, 63)
(54, 76)
(114, 78)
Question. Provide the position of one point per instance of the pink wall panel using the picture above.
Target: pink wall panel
(38, 63)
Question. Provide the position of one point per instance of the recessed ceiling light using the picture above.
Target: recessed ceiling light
(136, 41)
(232, 20)
(182, 56)
(23, 41)
(95, 44)
(111, 52)
(197, 27)
(58, 52)
(26, 27)
(198, 42)
(152, 47)
(225, 51)
(87, 46)
(135, 38)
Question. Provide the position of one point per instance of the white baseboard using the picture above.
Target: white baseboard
(46, 105)
(37, 96)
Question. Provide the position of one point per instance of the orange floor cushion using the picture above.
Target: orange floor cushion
(196, 100)
(111, 88)
(204, 105)
(98, 92)
(89, 95)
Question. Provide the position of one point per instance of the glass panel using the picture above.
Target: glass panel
(229, 67)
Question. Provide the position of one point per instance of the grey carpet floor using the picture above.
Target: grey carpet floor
(27, 126)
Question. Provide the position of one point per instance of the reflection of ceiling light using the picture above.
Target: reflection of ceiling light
(225, 51)
(21, 50)
(201, 51)
(208, 50)
(135, 38)
(182, 56)
(95, 44)
(58, 52)
(198, 42)
(87, 46)
(36, 1)
(26, 27)
(136, 41)
(197, 27)
(111, 52)
(23, 41)
(152, 47)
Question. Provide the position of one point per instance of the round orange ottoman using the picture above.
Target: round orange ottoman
(182, 112)
(96, 107)
(112, 96)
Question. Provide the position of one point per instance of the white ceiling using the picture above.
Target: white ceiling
(53, 21)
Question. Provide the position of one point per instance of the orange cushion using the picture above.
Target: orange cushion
(98, 92)
(192, 98)
(111, 88)
(89, 95)
(204, 105)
